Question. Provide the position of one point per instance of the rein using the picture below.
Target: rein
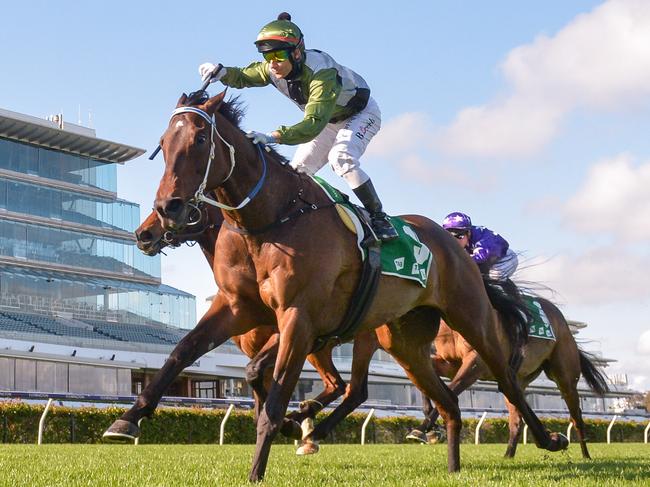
(308, 207)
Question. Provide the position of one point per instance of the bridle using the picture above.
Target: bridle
(200, 196)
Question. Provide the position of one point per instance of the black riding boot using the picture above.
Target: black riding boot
(381, 225)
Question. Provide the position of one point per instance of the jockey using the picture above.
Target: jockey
(340, 115)
(488, 249)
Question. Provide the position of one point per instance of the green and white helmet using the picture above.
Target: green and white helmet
(279, 34)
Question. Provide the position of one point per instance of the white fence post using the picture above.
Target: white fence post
(525, 434)
(609, 429)
(41, 423)
(365, 424)
(645, 433)
(478, 428)
(137, 438)
(222, 428)
(568, 431)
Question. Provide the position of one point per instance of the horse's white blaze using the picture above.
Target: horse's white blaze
(179, 124)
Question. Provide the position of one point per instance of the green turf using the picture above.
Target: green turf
(385, 465)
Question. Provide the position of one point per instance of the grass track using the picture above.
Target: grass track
(385, 465)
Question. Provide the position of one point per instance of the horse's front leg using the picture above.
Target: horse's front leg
(214, 328)
(365, 345)
(296, 340)
(259, 374)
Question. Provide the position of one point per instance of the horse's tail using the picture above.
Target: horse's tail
(594, 377)
(507, 300)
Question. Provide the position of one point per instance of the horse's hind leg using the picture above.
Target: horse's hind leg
(515, 426)
(216, 326)
(334, 387)
(409, 342)
(567, 382)
(492, 349)
(470, 370)
(365, 345)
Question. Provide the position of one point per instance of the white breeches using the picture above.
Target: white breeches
(341, 144)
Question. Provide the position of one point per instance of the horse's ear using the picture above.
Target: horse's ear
(181, 100)
(212, 105)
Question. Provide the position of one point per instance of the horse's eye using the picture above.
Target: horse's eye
(201, 139)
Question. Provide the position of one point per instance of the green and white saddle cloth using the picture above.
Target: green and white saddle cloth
(404, 257)
(540, 326)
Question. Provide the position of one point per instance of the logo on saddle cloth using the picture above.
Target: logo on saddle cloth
(405, 257)
(540, 326)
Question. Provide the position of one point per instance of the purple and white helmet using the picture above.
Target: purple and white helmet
(457, 221)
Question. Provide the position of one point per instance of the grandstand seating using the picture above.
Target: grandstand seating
(125, 332)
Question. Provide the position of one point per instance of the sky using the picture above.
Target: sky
(531, 117)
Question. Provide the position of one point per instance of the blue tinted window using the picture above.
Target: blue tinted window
(64, 205)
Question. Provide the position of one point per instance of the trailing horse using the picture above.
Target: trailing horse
(306, 270)
(559, 358)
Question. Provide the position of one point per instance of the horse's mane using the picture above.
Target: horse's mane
(232, 110)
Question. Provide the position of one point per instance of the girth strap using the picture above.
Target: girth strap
(363, 296)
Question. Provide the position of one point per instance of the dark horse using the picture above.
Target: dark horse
(306, 271)
(561, 360)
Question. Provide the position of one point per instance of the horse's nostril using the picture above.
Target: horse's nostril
(144, 236)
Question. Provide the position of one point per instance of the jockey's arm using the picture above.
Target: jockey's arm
(489, 248)
(324, 90)
(255, 74)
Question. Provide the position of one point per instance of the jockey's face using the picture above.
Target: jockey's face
(280, 69)
(462, 237)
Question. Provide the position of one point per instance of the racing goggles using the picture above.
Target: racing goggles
(279, 55)
(459, 234)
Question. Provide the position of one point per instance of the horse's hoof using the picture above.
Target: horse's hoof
(291, 429)
(122, 431)
(436, 435)
(418, 435)
(307, 427)
(308, 448)
(558, 442)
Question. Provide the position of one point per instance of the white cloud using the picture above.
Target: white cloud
(643, 346)
(599, 276)
(401, 135)
(601, 60)
(406, 141)
(614, 198)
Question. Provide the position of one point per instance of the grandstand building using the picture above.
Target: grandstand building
(82, 311)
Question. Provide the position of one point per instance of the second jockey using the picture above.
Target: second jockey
(489, 250)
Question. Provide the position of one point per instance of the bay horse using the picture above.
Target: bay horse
(561, 360)
(306, 270)
(152, 238)
(259, 344)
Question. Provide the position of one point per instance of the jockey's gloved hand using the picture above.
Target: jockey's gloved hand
(260, 138)
(206, 69)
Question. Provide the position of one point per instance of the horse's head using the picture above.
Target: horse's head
(150, 235)
(194, 150)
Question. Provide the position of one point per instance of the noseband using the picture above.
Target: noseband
(199, 196)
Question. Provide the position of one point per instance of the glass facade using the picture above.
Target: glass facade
(45, 221)
(38, 243)
(56, 165)
(78, 208)
(95, 298)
